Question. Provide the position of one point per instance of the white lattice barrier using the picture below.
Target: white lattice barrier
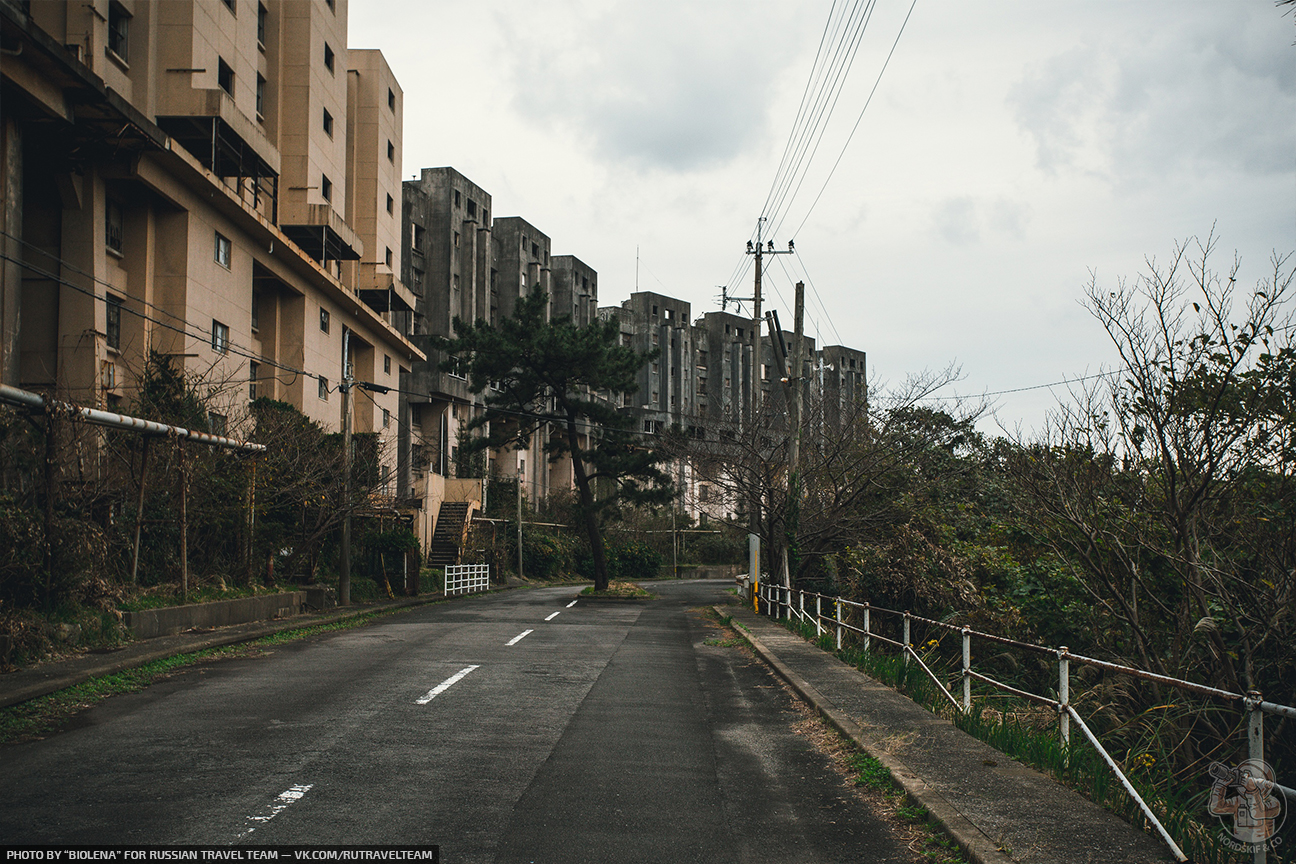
(466, 578)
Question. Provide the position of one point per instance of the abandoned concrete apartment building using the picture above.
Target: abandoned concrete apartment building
(220, 181)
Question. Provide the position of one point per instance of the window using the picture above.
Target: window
(388, 257)
(386, 364)
(114, 322)
(391, 204)
(386, 421)
(109, 375)
(220, 337)
(323, 388)
(256, 309)
(391, 100)
(224, 76)
(113, 226)
(454, 281)
(472, 209)
(419, 231)
(328, 123)
(456, 197)
(260, 96)
(326, 187)
(331, 4)
(391, 152)
(119, 31)
(456, 239)
(535, 250)
(324, 320)
(262, 15)
(230, 5)
(654, 368)
(216, 423)
(416, 281)
(223, 250)
(328, 58)
(254, 369)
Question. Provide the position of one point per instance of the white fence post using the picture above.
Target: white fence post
(839, 623)
(906, 648)
(818, 615)
(967, 669)
(868, 640)
(1064, 696)
(1255, 751)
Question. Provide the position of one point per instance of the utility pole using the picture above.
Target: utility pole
(519, 518)
(344, 564)
(760, 251)
(794, 392)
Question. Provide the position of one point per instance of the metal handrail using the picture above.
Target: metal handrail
(781, 596)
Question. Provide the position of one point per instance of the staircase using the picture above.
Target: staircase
(451, 523)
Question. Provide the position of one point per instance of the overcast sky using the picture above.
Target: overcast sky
(1010, 149)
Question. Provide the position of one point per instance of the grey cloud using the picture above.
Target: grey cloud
(652, 85)
(959, 220)
(1211, 92)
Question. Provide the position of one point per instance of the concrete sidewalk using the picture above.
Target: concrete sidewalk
(999, 810)
(45, 678)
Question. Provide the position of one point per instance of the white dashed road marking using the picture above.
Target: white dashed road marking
(518, 638)
(571, 604)
(277, 806)
(554, 615)
(443, 686)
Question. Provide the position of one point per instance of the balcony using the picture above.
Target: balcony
(323, 234)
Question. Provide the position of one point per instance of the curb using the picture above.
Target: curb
(972, 840)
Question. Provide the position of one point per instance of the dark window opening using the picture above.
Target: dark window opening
(328, 57)
(114, 322)
(113, 227)
(119, 30)
(224, 76)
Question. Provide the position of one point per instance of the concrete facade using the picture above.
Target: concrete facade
(163, 166)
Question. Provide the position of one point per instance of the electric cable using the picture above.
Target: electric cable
(876, 82)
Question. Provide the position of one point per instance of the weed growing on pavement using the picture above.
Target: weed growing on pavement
(870, 773)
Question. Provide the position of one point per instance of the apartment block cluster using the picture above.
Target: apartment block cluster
(219, 181)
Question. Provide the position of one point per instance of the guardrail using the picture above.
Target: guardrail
(779, 599)
(466, 578)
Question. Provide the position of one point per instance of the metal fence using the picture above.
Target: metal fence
(466, 578)
(786, 603)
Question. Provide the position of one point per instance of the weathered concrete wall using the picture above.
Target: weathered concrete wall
(177, 619)
(704, 571)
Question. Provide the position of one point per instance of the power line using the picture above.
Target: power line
(857, 119)
(1024, 389)
(827, 104)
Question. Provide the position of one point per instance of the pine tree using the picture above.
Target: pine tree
(543, 377)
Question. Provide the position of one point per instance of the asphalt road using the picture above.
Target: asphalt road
(609, 732)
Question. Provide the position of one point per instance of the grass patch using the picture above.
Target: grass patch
(45, 715)
(870, 773)
(628, 590)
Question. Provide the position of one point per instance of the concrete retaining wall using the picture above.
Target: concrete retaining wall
(705, 571)
(222, 613)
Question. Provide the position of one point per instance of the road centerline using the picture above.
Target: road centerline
(518, 638)
(291, 795)
(553, 615)
(444, 685)
(571, 604)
